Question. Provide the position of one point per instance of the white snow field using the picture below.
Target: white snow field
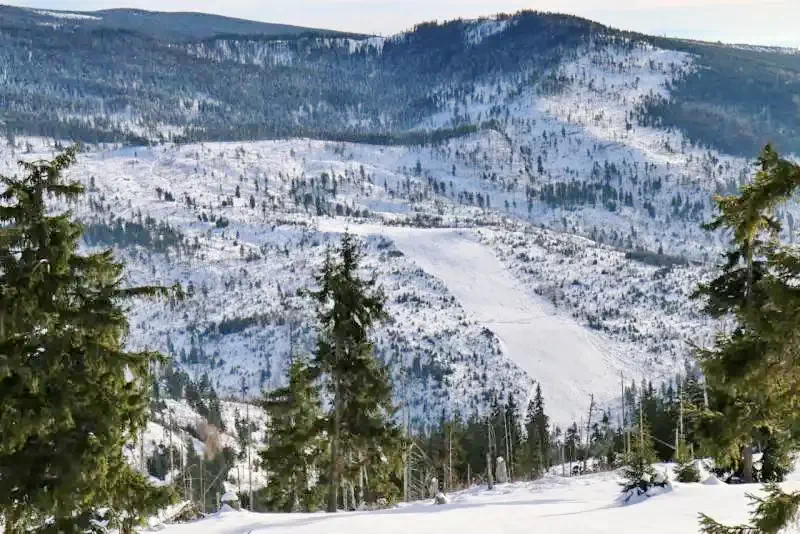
(586, 504)
(565, 357)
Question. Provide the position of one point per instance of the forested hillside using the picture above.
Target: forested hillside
(588, 155)
(200, 77)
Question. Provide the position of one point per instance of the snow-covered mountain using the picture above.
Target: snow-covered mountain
(531, 203)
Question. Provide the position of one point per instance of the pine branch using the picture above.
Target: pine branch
(709, 526)
(772, 514)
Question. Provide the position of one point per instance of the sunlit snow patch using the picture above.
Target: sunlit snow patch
(483, 29)
(66, 16)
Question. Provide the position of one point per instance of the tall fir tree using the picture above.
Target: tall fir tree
(532, 462)
(512, 435)
(295, 447)
(753, 372)
(542, 423)
(71, 396)
(360, 429)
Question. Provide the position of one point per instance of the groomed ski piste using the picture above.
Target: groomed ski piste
(567, 359)
(553, 504)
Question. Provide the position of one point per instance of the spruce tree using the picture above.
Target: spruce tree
(295, 447)
(536, 452)
(70, 394)
(542, 423)
(359, 429)
(752, 372)
(532, 460)
(638, 473)
(686, 468)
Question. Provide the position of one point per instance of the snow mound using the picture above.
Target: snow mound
(226, 509)
(636, 495)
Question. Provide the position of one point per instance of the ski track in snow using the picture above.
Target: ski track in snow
(569, 361)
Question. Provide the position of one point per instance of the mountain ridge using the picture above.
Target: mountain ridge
(357, 88)
(181, 25)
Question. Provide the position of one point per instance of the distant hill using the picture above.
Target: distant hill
(155, 24)
(192, 76)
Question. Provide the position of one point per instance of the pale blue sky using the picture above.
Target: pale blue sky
(771, 22)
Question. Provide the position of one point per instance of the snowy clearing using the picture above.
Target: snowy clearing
(569, 360)
(564, 505)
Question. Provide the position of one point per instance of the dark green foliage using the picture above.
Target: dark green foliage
(605, 442)
(752, 372)
(777, 458)
(295, 449)
(147, 233)
(638, 471)
(687, 472)
(209, 471)
(736, 100)
(400, 80)
(202, 397)
(359, 426)
(135, 500)
(162, 25)
(535, 457)
(158, 464)
(772, 514)
(67, 400)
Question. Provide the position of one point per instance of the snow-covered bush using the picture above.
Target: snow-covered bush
(687, 472)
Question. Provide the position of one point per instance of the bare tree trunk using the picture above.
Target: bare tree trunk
(450, 455)
(508, 444)
(406, 470)
(588, 432)
(171, 458)
(489, 476)
(747, 464)
(249, 464)
(334, 473)
(747, 450)
(361, 486)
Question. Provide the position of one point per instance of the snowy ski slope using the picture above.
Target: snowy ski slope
(566, 358)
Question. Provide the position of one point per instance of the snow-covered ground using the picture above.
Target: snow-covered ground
(579, 505)
(537, 285)
(476, 311)
(566, 358)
